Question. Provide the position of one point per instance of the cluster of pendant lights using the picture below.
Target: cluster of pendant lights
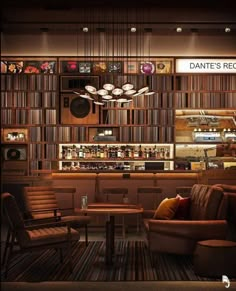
(110, 93)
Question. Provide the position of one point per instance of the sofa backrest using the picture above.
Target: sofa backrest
(206, 202)
(230, 192)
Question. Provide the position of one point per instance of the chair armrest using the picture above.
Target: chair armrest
(56, 213)
(195, 229)
(45, 210)
(49, 224)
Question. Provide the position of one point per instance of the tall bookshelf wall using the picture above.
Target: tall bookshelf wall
(32, 102)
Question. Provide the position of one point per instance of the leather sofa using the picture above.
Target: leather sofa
(207, 220)
(230, 192)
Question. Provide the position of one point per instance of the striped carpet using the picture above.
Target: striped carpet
(132, 263)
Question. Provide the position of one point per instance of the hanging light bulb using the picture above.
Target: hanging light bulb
(117, 91)
(108, 86)
(102, 92)
(85, 96)
(143, 90)
(122, 99)
(130, 92)
(127, 86)
(107, 97)
(91, 89)
(98, 103)
(149, 93)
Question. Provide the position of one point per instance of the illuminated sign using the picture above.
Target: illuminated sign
(205, 65)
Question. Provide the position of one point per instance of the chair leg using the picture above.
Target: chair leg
(61, 255)
(70, 257)
(9, 256)
(6, 247)
(86, 235)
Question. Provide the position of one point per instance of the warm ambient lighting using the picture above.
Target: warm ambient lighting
(111, 93)
(227, 29)
(179, 29)
(85, 29)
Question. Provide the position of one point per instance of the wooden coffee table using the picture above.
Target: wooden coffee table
(111, 212)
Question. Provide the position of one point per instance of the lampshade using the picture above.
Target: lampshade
(117, 91)
(91, 89)
(108, 86)
(127, 86)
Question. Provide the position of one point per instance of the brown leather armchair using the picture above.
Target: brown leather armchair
(208, 208)
(22, 238)
(41, 203)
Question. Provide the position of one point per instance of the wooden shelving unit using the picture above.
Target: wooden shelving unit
(37, 102)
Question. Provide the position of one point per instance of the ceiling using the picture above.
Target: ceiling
(194, 16)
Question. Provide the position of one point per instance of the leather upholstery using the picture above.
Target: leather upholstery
(207, 221)
(35, 237)
(205, 201)
(44, 198)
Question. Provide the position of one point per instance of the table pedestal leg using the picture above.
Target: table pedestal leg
(110, 240)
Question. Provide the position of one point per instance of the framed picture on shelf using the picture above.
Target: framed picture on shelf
(115, 67)
(69, 67)
(47, 67)
(130, 67)
(3, 67)
(164, 66)
(14, 67)
(32, 67)
(147, 68)
(16, 135)
(99, 67)
(85, 67)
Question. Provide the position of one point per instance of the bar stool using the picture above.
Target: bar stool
(117, 195)
(148, 198)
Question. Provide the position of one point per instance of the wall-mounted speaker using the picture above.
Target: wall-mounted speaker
(78, 110)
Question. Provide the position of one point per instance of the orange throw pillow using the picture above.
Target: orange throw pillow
(167, 208)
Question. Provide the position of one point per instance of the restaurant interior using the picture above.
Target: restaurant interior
(118, 145)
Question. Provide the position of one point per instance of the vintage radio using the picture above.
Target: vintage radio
(77, 110)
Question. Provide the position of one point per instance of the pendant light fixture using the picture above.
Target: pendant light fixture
(118, 46)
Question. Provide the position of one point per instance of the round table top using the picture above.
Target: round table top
(111, 211)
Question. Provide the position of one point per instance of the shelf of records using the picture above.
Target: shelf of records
(139, 116)
(202, 82)
(157, 100)
(205, 100)
(28, 116)
(26, 82)
(24, 99)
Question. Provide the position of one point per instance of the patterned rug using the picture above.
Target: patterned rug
(132, 263)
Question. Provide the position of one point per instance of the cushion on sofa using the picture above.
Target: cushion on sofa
(167, 208)
(182, 212)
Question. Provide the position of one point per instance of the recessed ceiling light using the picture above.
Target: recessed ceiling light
(227, 29)
(85, 29)
(179, 29)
